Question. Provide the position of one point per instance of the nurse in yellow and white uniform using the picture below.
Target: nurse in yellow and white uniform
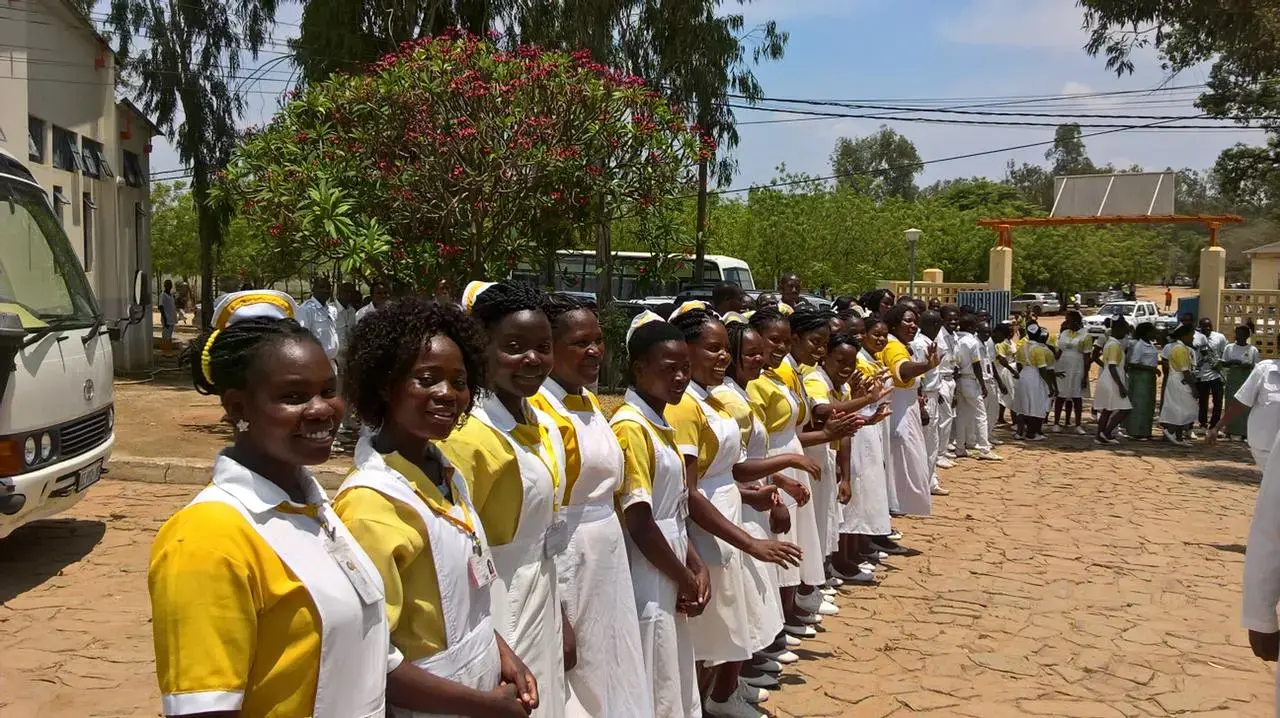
(415, 366)
(667, 575)
(594, 574)
(514, 458)
(262, 602)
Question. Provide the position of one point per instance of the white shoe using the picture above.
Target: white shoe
(799, 631)
(790, 640)
(829, 592)
(951, 447)
(1055, 429)
(989, 456)
(828, 609)
(1081, 430)
(944, 463)
(783, 657)
(735, 707)
(995, 441)
(867, 567)
(939, 491)
(834, 581)
(809, 601)
(751, 694)
(894, 535)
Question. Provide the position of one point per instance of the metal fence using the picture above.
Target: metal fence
(945, 292)
(994, 301)
(1259, 307)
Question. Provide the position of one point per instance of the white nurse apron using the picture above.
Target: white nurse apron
(664, 635)
(1033, 390)
(355, 643)
(804, 524)
(525, 602)
(908, 458)
(867, 512)
(826, 504)
(1071, 364)
(764, 605)
(722, 633)
(594, 576)
(471, 654)
(1179, 407)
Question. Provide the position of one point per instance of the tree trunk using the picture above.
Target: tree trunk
(700, 229)
(210, 231)
(604, 261)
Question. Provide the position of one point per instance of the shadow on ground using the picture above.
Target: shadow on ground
(40, 550)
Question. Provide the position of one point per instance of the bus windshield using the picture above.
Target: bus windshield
(40, 277)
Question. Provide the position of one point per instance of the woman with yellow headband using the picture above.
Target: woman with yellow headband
(513, 456)
(263, 604)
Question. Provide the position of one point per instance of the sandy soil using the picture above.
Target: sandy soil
(1067, 581)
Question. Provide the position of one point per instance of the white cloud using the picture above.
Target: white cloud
(759, 11)
(1035, 24)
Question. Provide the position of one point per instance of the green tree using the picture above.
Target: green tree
(1068, 154)
(175, 249)
(186, 73)
(1034, 184)
(1241, 39)
(882, 165)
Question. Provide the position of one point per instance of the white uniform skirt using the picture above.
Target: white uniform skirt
(907, 456)
(1071, 367)
(764, 606)
(826, 495)
(868, 511)
(804, 523)
(1032, 394)
(1179, 407)
(594, 581)
(1009, 399)
(1108, 398)
(670, 671)
(722, 633)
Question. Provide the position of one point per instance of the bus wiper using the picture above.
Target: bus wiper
(94, 330)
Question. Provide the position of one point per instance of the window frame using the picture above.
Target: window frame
(87, 209)
(72, 150)
(39, 144)
(132, 170)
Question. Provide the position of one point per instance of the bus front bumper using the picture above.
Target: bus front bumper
(50, 490)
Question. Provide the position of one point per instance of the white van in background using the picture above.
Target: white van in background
(56, 415)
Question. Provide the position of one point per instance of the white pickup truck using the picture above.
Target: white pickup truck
(1134, 313)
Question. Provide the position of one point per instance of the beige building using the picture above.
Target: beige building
(59, 110)
(1264, 266)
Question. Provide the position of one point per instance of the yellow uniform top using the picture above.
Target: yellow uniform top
(742, 411)
(791, 376)
(869, 368)
(1038, 355)
(694, 435)
(639, 459)
(1007, 349)
(1180, 358)
(773, 403)
(816, 387)
(1113, 353)
(568, 433)
(489, 464)
(398, 543)
(228, 616)
(893, 356)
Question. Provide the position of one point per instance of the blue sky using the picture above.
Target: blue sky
(902, 51)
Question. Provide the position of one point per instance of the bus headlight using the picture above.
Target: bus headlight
(29, 454)
(46, 446)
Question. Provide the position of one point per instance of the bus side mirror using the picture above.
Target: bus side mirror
(141, 289)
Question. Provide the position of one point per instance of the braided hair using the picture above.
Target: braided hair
(737, 334)
(223, 359)
(691, 323)
(385, 345)
(504, 299)
(763, 318)
(557, 304)
(806, 320)
(843, 339)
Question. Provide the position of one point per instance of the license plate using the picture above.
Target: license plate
(88, 476)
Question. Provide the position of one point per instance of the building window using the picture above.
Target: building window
(66, 156)
(95, 160)
(133, 175)
(35, 139)
(88, 210)
(59, 201)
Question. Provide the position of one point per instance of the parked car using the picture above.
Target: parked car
(1134, 313)
(1165, 323)
(1042, 302)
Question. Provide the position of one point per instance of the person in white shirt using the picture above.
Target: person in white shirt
(1260, 397)
(379, 294)
(316, 316)
(1209, 346)
(991, 376)
(930, 389)
(972, 429)
(1262, 569)
(947, 397)
(168, 311)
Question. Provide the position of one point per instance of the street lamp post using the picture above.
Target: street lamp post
(913, 236)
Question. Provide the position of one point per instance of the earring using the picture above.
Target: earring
(241, 426)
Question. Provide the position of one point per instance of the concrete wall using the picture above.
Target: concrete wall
(55, 68)
(1264, 271)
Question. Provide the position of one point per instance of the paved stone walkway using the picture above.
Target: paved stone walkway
(1063, 582)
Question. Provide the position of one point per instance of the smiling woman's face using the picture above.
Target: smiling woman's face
(520, 353)
(778, 335)
(579, 349)
(429, 400)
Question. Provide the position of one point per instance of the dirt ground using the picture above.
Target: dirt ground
(1069, 580)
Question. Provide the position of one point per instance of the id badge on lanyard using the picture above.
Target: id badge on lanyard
(480, 565)
(344, 555)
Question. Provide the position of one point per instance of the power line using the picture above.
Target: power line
(977, 123)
